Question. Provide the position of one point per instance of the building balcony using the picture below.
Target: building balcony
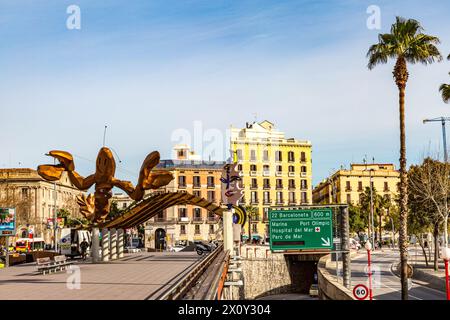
(183, 220)
(254, 187)
(292, 202)
(197, 186)
(303, 174)
(182, 186)
(266, 173)
(279, 187)
(348, 189)
(291, 174)
(211, 186)
(252, 173)
(254, 201)
(267, 201)
(303, 188)
(265, 218)
(303, 160)
(292, 187)
(279, 201)
(266, 187)
(197, 220)
(212, 220)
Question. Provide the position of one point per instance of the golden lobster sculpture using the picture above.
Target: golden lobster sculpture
(96, 207)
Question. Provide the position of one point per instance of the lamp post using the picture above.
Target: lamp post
(368, 247)
(446, 257)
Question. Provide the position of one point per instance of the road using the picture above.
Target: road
(386, 285)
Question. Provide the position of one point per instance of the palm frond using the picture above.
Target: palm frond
(445, 91)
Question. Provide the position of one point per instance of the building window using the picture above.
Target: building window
(183, 229)
(182, 181)
(266, 169)
(211, 229)
(360, 186)
(253, 167)
(254, 184)
(254, 197)
(211, 183)
(279, 169)
(124, 205)
(266, 214)
(280, 197)
(266, 183)
(304, 197)
(239, 167)
(291, 156)
(291, 197)
(303, 156)
(291, 169)
(348, 187)
(211, 196)
(254, 228)
(266, 196)
(196, 181)
(349, 198)
(181, 153)
(197, 213)
(386, 187)
(182, 212)
(303, 169)
(252, 155)
(303, 184)
(197, 193)
(197, 229)
(24, 193)
(279, 184)
(291, 184)
(239, 154)
(278, 156)
(266, 155)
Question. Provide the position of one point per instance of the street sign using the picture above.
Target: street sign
(7, 221)
(360, 292)
(307, 229)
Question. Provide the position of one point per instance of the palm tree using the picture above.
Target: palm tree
(405, 43)
(251, 215)
(445, 89)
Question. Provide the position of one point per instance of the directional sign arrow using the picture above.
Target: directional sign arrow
(325, 243)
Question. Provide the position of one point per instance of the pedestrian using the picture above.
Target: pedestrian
(84, 246)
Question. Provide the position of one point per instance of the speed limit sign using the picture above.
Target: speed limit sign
(360, 292)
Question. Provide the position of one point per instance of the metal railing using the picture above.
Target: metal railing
(178, 290)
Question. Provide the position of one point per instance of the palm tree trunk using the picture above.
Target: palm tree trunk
(401, 77)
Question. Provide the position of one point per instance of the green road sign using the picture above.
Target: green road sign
(301, 229)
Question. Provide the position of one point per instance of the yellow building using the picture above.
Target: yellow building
(346, 186)
(276, 170)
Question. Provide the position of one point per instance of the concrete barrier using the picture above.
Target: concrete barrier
(329, 289)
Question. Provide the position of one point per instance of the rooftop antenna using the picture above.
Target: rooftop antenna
(104, 135)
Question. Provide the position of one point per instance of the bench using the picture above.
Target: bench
(45, 265)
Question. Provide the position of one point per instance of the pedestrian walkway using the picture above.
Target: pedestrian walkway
(137, 276)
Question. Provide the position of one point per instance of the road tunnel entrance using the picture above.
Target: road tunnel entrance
(302, 271)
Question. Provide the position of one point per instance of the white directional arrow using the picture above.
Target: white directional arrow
(325, 243)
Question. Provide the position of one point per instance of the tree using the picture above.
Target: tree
(445, 89)
(365, 205)
(419, 222)
(114, 210)
(357, 219)
(252, 214)
(429, 185)
(405, 43)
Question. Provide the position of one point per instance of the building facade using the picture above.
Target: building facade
(35, 200)
(183, 223)
(346, 186)
(276, 171)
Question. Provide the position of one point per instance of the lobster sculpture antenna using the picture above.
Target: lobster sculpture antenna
(96, 207)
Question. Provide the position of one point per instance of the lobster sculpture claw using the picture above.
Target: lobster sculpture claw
(96, 207)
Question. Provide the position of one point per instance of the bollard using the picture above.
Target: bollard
(120, 243)
(105, 245)
(95, 248)
(113, 244)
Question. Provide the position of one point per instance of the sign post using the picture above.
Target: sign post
(360, 292)
(306, 229)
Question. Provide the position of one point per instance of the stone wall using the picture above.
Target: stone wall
(329, 289)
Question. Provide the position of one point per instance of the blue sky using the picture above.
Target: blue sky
(149, 68)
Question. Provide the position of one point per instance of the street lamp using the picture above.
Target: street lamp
(368, 247)
(446, 257)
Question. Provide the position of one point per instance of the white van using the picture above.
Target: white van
(70, 240)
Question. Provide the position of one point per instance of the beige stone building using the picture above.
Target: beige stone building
(34, 200)
(346, 186)
(187, 222)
